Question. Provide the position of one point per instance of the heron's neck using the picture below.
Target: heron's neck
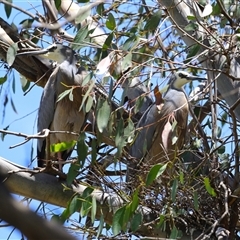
(71, 59)
(176, 97)
(175, 86)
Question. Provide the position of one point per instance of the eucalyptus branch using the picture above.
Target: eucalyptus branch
(201, 132)
(225, 13)
(43, 134)
(216, 223)
(186, 33)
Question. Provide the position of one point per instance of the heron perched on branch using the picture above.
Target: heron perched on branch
(160, 125)
(64, 114)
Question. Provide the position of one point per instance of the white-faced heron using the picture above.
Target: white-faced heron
(63, 115)
(153, 143)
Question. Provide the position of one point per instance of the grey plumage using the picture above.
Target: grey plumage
(153, 143)
(63, 115)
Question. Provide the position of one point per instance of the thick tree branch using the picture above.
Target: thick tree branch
(49, 189)
(33, 226)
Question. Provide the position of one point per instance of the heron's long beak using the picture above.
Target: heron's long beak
(43, 52)
(37, 52)
(193, 78)
(51, 53)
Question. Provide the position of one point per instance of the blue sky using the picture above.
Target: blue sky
(24, 120)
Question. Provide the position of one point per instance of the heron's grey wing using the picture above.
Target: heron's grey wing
(150, 138)
(175, 107)
(134, 90)
(134, 93)
(145, 135)
(67, 115)
(147, 127)
(147, 144)
(46, 112)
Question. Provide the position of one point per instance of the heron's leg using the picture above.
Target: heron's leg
(51, 169)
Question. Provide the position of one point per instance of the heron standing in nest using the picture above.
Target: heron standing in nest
(153, 143)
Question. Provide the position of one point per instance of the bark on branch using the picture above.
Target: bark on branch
(49, 189)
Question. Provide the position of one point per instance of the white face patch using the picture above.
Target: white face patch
(182, 74)
(180, 80)
(182, 77)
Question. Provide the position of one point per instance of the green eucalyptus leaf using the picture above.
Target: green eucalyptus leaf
(127, 62)
(13, 84)
(89, 104)
(103, 114)
(82, 149)
(119, 139)
(192, 52)
(72, 172)
(118, 220)
(195, 200)
(58, 4)
(64, 94)
(208, 187)
(73, 206)
(80, 37)
(174, 190)
(86, 95)
(93, 209)
(11, 53)
(87, 201)
(59, 147)
(181, 177)
(13, 106)
(110, 23)
(191, 27)
(27, 23)
(8, 8)
(224, 118)
(174, 233)
(221, 149)
(108, 41)
(4, 134)
(130, 43)
(216, 9)
(3, 79)
(126, 217)
(100, 227)
(136, 222)
(153, 22)
(156, 171)
(219, 132)
(192, 18)
(135, 201)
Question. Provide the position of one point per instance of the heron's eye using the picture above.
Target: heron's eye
(181, 75)
(52, 49)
